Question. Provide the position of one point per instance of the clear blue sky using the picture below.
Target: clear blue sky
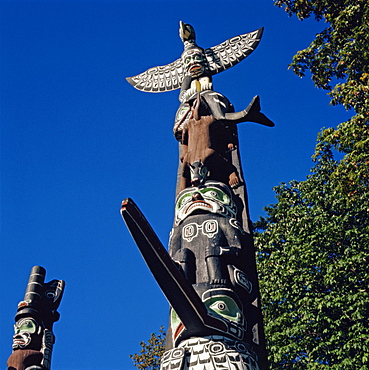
(76, 139)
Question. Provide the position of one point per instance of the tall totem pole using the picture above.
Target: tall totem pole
(208, 273)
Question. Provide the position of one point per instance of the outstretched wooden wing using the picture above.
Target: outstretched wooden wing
(159, 79)
(232, 51)
(220, 58)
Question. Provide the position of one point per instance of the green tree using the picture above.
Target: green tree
(314, 242)
(150, 354)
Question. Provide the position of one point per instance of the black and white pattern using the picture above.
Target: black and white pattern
(210, 353)
(232, 51)
(159, 79)
(219, 58)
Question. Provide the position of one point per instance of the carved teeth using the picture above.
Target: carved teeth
(197, 204)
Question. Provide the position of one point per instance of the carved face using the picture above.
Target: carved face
(194, 62)
(213, 197)
(199, 173)
(24, 331)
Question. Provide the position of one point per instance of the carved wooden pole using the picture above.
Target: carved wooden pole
(33, 338)
(209, 272)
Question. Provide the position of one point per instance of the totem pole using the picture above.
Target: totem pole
(208, 273)
(33, 338)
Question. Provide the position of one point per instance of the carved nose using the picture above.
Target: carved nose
(195, 182)
(197, 196)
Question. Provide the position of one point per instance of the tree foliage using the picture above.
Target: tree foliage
(150, 354)
(339, 52)
(314, 242)
(313, 272)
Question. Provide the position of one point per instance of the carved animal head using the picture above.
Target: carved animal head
(199, 173)
(186, 32)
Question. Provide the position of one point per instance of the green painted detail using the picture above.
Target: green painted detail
(224, 306)
(216, 194)
(25, 326)
(174, 319)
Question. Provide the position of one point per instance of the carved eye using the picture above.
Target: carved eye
(204, 171)
(50, 294)
(220, 195)
(184, 200)
(220, 306)
(225, 307)
(198, 58)
(213, 193)
(27, 326)
(181, 112)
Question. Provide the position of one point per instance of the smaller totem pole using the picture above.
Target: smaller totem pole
(33, 338)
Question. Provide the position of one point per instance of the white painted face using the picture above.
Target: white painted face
(194, 62)
(213, 197)
(24, 330)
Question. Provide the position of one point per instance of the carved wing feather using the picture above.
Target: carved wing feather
(159, 79)
(220, 58)
(232, 51)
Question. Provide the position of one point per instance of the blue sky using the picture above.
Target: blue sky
(76, 139)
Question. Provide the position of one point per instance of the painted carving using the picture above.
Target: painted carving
(206, 242)
(204, 122)
(206, 128)
(33, 337)
(205, 234)
(24, 331)
(205, 143)
(196, 66)
(210, 353)
(208, 274)
(213, 197)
